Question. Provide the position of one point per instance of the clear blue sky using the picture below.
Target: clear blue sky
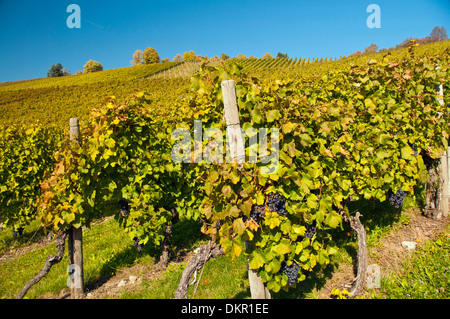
(34, 34)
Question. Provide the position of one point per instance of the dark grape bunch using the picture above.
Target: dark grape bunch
(19, 232)
(276, 203)
(290, 271)
(136, 243)
(413, 147)
(311, 230)
(124, 208)
(258, 212)
(397, 198)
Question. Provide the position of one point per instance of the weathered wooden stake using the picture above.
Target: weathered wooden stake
(443, 187)
(443, 171)
(447, 189)
(231, 113)
(237, 152)
(75, 239)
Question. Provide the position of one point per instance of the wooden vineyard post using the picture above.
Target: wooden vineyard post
(437, 185)
(231, 113)
(443, 170)
(237, 152)
(75, 239)
(443, 207)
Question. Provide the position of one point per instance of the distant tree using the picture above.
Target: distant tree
(138, 58)
(79, 72)
(437, 34)
(267, 56)
(224, 56)
(281, 55)
(92, 66)
(66, 72)
(165, 60)
(372, 48)
(241, 56)
(252, 57)
(177, 58)
(422, 41)
(215, 59)
(355, 54)
(55, 71)
(404, 43)
(189, 56)
(151, 56)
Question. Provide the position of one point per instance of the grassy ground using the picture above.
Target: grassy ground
(105, 251)
(109, 257)
(425, 274)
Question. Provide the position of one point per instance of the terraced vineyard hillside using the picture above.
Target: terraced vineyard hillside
(55, 100)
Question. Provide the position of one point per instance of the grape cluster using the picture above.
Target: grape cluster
(397, 198)
(311, 230)
(124, 208)
(290, 271)
(258, 212)
(276, 203)
(19, 232)
(413, 147)
(136, 243)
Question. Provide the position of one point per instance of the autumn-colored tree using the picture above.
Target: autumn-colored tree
(281, 55)
(151, 56)
(189, 56)
(79, 72)
(267, 56)
(437, 34)
(165, 60)
(241, 56)
(138, 58)
(178, 58)
(66, 72)
(92, 66)
(372, 48)
(404, 43)
(355, 54)
(224, 56)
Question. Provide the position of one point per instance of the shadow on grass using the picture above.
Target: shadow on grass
(32, 233)
(185, 234)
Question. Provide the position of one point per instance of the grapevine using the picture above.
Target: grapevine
(346, 134)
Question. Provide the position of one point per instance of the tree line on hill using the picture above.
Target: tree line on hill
(58, 70)
(150, 55)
